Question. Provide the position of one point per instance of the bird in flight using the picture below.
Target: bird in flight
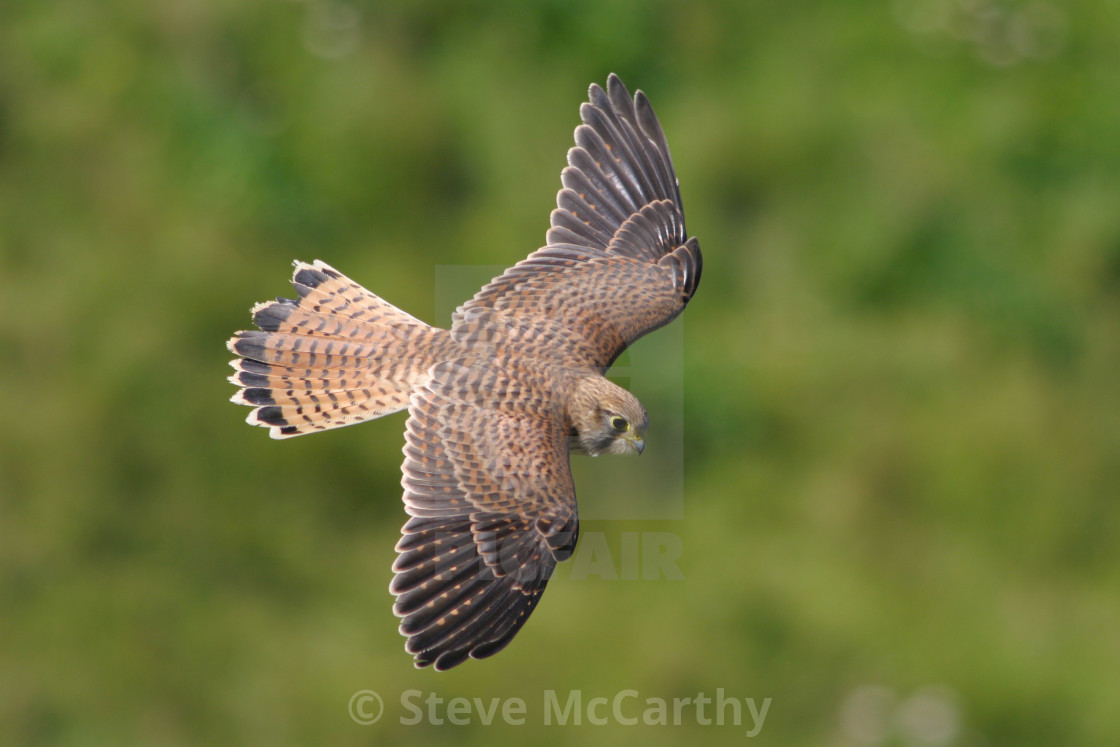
(497, 402)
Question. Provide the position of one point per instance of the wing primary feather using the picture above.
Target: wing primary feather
(611, 157)
(650, 125)
(629, 149)
(621, 113)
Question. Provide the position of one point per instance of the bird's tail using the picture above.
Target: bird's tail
(336, 356)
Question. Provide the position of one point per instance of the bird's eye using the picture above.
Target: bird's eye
(618, 423)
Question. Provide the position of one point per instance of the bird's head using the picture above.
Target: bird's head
(607, 419)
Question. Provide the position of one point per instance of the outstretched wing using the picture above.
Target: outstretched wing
(488, 487)
(618, 263)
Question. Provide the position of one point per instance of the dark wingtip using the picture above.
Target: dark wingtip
(614, 83)
(647, 120)
(271, 415)
(250, 379)
(310, 277)
(269, 316)
(247, 344)
(251, 366)
(621, 100)
(258, 396)
(449, 659)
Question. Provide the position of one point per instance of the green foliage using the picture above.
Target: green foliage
(901, 415)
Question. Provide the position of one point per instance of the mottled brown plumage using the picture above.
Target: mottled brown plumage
(496, 403)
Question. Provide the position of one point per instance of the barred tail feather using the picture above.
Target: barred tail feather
(336, 356)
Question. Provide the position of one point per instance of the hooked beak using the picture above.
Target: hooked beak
(639, 444)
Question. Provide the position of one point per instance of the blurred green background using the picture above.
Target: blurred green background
(901, 410)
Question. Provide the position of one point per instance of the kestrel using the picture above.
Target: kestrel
(497, 402)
